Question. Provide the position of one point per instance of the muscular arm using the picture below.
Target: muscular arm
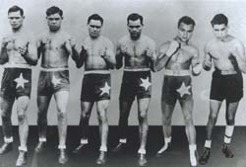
(167, 50)
(240, 50)
(3, 53)
(195, 63)
(119, 57)
(207, 62)
(30, 54)
(108, 56)
(151, 55)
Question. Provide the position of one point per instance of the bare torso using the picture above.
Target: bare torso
(53, 50)
(219, 51)
(95, 49)
(182, 59)
(14, 41)
(134, 56)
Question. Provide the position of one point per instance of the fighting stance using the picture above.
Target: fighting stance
(98, 57)
(55, 47)
(180, 59)
(228, 56)
(138, 53)
(17, 54)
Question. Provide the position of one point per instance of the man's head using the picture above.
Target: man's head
(16, 17)
(135, 25)
(220, 26)
(54, 16)
(185, 28)
(95, 23)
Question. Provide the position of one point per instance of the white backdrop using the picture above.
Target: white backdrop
(160, 20)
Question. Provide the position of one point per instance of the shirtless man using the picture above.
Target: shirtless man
(17, 54)
(98, 58)
(228, 56)
(55, 47)
(138, 53)
(180, 59)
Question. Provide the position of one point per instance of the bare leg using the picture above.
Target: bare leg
(167, 111)
(187, 107)
(22, 104)
(125, 108)
(43, 105)
(102, 107)
(6, 112)
(61, 98)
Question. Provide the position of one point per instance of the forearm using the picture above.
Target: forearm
(3, 56)
(119, 61)
(110, 61)
(161, 62)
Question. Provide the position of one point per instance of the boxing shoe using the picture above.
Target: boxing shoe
(6, 147)
(142, 161)
(165, 148)
(119, 148)
(227, 151)
(22, 158)
(62, 157)
(40, 147)
(205, 156)
(102, 158)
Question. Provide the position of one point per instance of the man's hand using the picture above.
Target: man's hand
(5, 42)
(149, 53)
(173, 47)
(103, 52)
(22, 47)
(123, 49)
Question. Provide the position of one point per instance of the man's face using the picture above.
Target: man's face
(54, 21)
(220, 31)
(135, 29)
(94, 27)
(185, 32)
(15, 20)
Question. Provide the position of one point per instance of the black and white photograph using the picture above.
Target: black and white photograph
(122, 83)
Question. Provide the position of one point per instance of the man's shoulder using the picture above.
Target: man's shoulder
(124, 39)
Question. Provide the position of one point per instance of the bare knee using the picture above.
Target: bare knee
(61, 115)
(21, 116)
(142, 116)
(188, 120)
(230, 120)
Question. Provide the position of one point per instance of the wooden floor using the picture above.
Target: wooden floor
(177, 157)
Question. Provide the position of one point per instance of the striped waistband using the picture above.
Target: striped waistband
(227, 72)
(24, 66)
(53, 69)
(96, 72)
(137, 69)
(177, 72)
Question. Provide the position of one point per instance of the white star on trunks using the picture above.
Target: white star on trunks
(20, 81)
(56, 81)
(145, 83)
(105, 89)
(184, 90)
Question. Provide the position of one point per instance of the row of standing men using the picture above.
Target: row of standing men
(136, 52)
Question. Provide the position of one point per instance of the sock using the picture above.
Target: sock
(62, 147)
(208, 143)
(228, 133)
(21, 148)
(42, 139)
(8, 140)
(84, 141)
(122, 141)
(141, 151)
(168, 140)
(103, 148)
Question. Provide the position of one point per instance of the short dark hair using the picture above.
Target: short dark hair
(53, 10)
(186, 20)
(219, 19)
(134, 17)
(16, 8)
(95, 17)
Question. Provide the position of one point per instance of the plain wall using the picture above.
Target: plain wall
(160, 20)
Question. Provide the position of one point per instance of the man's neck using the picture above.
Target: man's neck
(17, 30)
(180, 41)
